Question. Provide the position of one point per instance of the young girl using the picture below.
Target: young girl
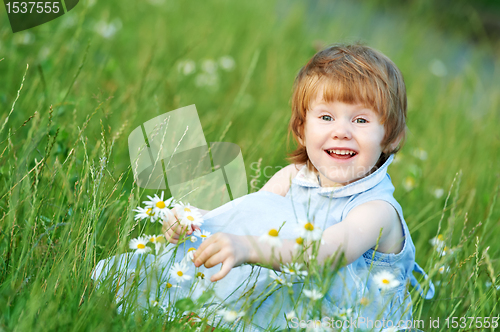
(348, 118)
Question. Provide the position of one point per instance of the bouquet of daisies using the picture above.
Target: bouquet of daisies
(157, 209)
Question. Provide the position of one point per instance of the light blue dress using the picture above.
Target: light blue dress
(255, 214)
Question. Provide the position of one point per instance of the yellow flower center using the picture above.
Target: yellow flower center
(190, 218)
(152, 239)
(200, 275)
(150, 212)
(309, 226)
(273, 232)
(187, 209)
(299, 240)
(169, 285)
(180, 274)
(160, 205)
(141, 246)
(203, 235)
(440, 237)
(291, 270)
(191, 249)
(386, 281)
(364, 301)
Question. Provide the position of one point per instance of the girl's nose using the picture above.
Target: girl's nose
(341, 130)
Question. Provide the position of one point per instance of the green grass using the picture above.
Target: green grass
(63, 207)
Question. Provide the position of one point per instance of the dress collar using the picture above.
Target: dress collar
(306, 178)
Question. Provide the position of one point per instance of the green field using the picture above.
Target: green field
(72, 90)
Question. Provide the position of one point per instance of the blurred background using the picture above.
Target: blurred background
(105, 67)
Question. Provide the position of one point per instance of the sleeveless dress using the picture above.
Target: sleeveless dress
(353, 289)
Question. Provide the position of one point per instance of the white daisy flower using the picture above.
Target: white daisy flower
(279, 279)
(178, 272)
(343, 313)
(143, 213)
(158, 240)
(186, 67)
(202, 235)
(193, 239)
(209, 66)
(290, 315)
(295, 269)
(299, 243)
(139, 245)
(440, 245)
(169, 285)
(313, 294)
(437, 241)
(227, 63)
(159, 206)
(420, 154)
(182, 208)
(409, 183)
(271, 238)
(189, 216)
(230, 315)
(438, 192)
(443, 269)
(189, 256)
(385, 280)
(308, 231)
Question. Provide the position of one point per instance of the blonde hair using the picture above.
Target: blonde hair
(353, 74)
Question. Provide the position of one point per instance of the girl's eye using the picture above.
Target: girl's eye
(326, 118)
(360, 120)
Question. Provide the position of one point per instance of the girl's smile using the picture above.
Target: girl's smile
(343, 141)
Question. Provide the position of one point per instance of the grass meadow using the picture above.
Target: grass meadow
(72, 90)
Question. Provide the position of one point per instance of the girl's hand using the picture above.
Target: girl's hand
(228, 249)
(173, 230)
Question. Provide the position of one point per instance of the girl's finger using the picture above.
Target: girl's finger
(201, 256)
(218, 258)
(227, 265)
(171, 237)
(207, 242)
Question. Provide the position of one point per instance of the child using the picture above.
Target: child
(348, 118)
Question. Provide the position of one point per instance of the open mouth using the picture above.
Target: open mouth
(341, 154)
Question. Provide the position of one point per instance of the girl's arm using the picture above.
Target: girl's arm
(280, 182)
(357, 233)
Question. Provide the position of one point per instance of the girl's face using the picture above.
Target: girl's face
(343, 141)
